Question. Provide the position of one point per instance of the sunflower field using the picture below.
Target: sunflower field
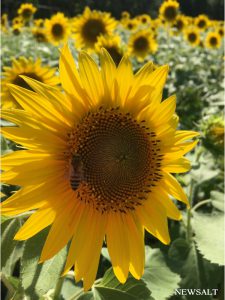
(112, 142)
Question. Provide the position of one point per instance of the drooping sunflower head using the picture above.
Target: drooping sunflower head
(112, 44)
(131, 24)
(39, 23)
(89, 26)
(125, 15)
(141, 44)
(16, 29)
(103, 150)
(180, 23)
(40, 34)
(213, 134)
(18, 21)
(220, 30)
(4, 22)
(144, 19)
(202, 22)
(57, 29)
(28, 67)
(26, 11)
(169, 10)
(192, 36)
(213, 40)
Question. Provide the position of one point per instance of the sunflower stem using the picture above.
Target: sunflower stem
(192, 193)
(189, 214)
(9, 286)
(58, 288)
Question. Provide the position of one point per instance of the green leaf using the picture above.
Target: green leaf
(105, 253)
(183, 259)
(217, 200)
(69, 289)
(4, 218)
(209, 236)
(111, 289)
(4, 145)
(204, 173)
(195, 271)
(11, 250)
(86, 296)
(157, 275)
(38, 279)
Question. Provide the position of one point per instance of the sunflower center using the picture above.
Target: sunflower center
(170, 13)
(40, 37)
(192, 37)
(27, 13)
(221, 31)
(92, 29)
(57, 30)
(179, 25)
(20, 82)
(16, 31)
(130, 26)
(115, 54)
(213, 41)
(141, 44)
(201, 24)
(119, 159)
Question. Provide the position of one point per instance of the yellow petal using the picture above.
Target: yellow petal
(62, 229)
(171, 185)
(41, 107)
(135, 235)
(157, 214)
(108, 71)
(165, 111)
(180, 165)
(87, 260)
(78, 241)
(90, 78)
(124, 70)
(171, 210)
(118, 246)
(38, 221)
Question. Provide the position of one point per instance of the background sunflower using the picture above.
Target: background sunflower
(57, 29)
(89, 26)
(27, 67)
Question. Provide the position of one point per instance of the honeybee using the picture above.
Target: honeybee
(76, 171)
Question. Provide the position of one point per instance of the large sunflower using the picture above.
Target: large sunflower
(27, 67)
(169, 10)
(57, 29)
(141, 44)
(112, 44)
(111, 133)
(213, 40)
(26, 11)
(89, 26)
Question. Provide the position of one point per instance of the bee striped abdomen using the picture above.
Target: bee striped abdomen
(76, 172)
